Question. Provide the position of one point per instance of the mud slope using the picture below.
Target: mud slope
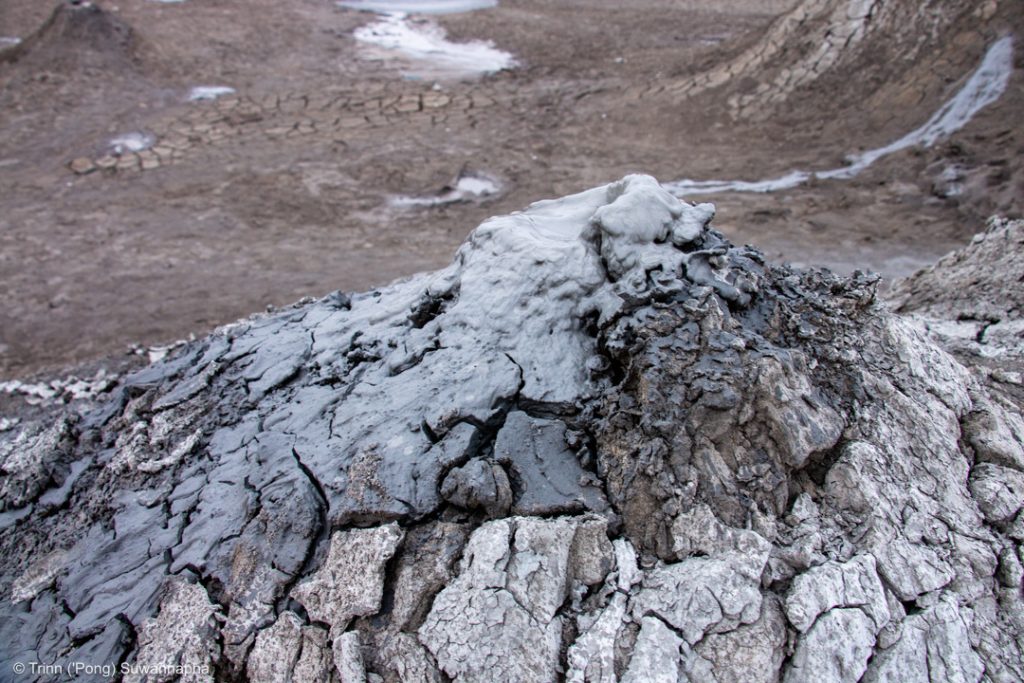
(604, 444)
(848, 49)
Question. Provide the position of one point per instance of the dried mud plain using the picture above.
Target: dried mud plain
(287, 187)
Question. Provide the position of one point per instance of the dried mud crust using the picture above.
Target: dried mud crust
(603, 444)
(283, 189)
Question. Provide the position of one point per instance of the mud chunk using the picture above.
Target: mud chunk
(479, 484)
(935, 646)
(498, 620)
(82, 166)
(837, 648)
(749, 654)
(548, 477)
(276, 651)
(30, 461)
(184, 633)
(850, 584)
(351, 581)
(703, 594)
(998, 490)
(348, 659)
(656, 656)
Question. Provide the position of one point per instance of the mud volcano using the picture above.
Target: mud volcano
(604, 444)
(78, 36)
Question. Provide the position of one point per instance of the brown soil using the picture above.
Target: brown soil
(282, 191)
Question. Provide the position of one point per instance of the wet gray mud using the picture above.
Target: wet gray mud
(603, 444)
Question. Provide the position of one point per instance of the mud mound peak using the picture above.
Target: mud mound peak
(604, 440)
(79, 36)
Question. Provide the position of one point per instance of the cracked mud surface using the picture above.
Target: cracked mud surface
(282, 189)
(672, 460)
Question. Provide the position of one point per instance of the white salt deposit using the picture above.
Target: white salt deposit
(131, 142)
(9, 40)
(425, 41)
(985, 86)
(419, 6)
(209, 92)
(467, 188)
(686, 187)
(59, 390)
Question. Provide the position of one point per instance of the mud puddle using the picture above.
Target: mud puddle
(420, 47)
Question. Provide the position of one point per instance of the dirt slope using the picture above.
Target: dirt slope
(284, 189)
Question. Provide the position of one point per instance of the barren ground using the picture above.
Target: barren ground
(282, 191)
